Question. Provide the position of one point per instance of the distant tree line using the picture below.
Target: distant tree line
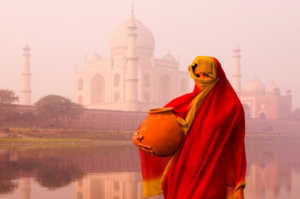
(50, 107)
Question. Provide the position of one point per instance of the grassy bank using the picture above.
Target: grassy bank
(61, 136)
(87, 136)
(272, 137)
(22, 140)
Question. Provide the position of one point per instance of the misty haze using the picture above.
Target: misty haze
(77, 80)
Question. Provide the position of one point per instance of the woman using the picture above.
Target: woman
(210, 162)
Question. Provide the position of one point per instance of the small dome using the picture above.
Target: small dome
(94, 57)
(255, 85)
(169, 57)
(273, 90)
(237, 48)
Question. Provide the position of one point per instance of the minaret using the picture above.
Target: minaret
(26, 84)
(236, 76)
(132, 61)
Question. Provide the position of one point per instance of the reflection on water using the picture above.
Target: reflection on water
(273, 170)
(110, 185)
(26, 188)
(113, 172)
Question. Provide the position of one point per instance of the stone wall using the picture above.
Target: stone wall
(272, 126)
(130, 120)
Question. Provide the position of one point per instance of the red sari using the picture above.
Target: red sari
(211, 158)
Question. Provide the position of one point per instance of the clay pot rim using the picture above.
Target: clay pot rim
(160, 110)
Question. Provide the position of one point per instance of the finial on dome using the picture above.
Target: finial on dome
(132, 10)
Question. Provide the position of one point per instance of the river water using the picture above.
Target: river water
(113, 172)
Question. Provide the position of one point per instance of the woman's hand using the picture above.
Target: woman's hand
(239, 194)
(137, 141)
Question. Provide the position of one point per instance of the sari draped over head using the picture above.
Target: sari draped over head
(211, 160)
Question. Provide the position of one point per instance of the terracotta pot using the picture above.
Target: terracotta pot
(161, 131)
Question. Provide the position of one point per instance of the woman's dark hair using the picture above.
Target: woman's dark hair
(193, 67)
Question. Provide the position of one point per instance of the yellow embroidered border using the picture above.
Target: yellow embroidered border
(242, 184)
(152, 188)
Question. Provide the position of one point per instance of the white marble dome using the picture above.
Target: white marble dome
(255, 85)
(273, 90)
(169, 57)
(94, 57)
(144, 39)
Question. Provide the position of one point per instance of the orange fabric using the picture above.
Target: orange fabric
(211, 156)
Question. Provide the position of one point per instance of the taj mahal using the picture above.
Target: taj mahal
(132, 79)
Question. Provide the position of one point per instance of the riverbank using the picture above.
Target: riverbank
(269, 137)
(37, 136)
(60, 142)
(64, 137)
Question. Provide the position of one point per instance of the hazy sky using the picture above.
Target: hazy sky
(60, 32)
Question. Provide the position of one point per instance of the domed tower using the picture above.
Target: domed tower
(236, 76)
(26, 84)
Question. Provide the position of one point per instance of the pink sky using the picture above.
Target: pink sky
(60, 32)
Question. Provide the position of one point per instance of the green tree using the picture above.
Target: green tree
(14, 116)
(75, 111)
(29, 117)
(8, 98)
(55, 106)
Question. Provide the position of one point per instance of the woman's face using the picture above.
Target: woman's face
(200, 74)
